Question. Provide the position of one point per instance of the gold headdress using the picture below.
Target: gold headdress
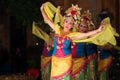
(86, 17)
(74, 12)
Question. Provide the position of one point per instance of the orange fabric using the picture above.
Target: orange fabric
(45, 61)
(104, 63)
(78, 63)
(91, 56)
(60, 66)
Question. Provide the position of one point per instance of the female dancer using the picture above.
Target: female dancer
(104, 62)
(105, 58)
(90, 48)
(61, 58)
(47, 51)
(79, 55)
(79, 58)
(81, 50)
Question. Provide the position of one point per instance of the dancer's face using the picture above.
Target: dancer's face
(82, 27)
(68, 23)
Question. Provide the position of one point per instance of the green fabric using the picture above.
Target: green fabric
(45, 72)
(104, 75)
(66, 77)
(79, 76)
(94, 68)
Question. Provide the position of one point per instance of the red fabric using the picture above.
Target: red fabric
(34, 72)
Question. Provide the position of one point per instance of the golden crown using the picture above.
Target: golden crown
(74, 11)
(86, 17)
(79, 17)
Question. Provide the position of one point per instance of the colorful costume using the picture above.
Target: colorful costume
(46, 62)
(46, 54)
(99, 39)
(104, 63)
(61, 59)
(91, 67)
(79, 61)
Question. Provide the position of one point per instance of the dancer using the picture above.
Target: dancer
(90, 48)
(81, 50)
(105, 60)
(79, 53)
(47, 51)
(61, 58)
(91, 68)
(105, 57)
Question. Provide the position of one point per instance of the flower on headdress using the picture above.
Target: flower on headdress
(73, 12)
(86, 17)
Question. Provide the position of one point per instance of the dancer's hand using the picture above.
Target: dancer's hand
(103, 22)
(101, 28)
(102, 25)
(41, 8)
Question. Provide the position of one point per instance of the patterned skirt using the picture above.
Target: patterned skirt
(78, 68)
(91, 68)
(45, 67)
(103, 67)
(61, 67)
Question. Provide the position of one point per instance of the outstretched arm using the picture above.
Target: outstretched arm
(46, 19)
(84, 35)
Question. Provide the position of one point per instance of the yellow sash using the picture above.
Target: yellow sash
(40, 33)
(102, 38)
(61, 66)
